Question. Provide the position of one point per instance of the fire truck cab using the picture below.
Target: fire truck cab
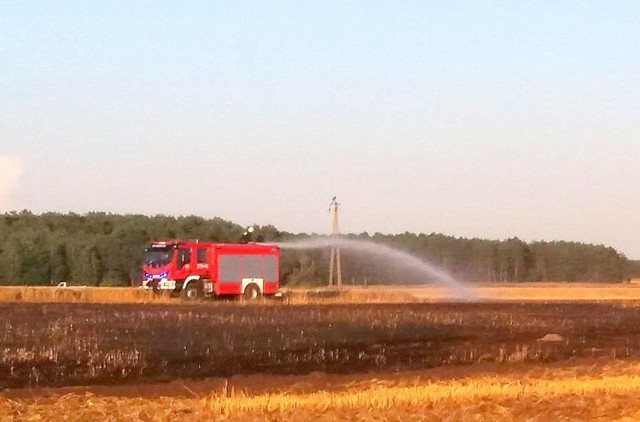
(197, 269)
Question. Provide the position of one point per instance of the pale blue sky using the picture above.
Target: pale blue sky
(471, 118)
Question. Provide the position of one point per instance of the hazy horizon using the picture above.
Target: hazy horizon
(472, 119)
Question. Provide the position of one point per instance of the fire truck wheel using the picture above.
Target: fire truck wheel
(252, 292)
(193, 291)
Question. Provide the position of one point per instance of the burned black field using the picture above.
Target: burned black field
(79, 344)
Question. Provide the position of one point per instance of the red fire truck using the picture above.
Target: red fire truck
(197, 269)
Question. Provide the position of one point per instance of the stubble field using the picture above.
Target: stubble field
(324, 359)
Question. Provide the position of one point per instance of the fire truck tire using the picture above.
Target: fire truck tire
(252, 292)
(193, 291)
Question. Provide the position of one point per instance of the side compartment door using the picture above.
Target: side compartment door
(229, 274)
(271, 273)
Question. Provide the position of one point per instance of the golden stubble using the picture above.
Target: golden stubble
(576, 393)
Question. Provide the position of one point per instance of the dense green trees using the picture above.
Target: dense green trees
(107, 249)
(91, 249)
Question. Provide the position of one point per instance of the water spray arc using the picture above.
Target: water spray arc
(385, 253)
(335, 262)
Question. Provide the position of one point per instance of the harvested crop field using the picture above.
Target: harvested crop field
(81, 344)
(584, 389)
(523, 292)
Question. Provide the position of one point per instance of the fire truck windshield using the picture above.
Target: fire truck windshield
(158, 257)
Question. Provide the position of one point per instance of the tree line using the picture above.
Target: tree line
(107, 249)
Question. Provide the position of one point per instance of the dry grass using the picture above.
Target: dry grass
(568, 292)
(577, 393)
(78, 295)
(533, 292)
(388, 294)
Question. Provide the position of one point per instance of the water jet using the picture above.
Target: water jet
(392, 255)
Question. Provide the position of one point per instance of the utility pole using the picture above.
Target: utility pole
(335, 249)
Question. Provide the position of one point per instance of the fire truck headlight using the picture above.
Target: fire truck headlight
(148, 276)
(164, 274)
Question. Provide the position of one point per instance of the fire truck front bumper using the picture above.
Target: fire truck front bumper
(162, 284)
